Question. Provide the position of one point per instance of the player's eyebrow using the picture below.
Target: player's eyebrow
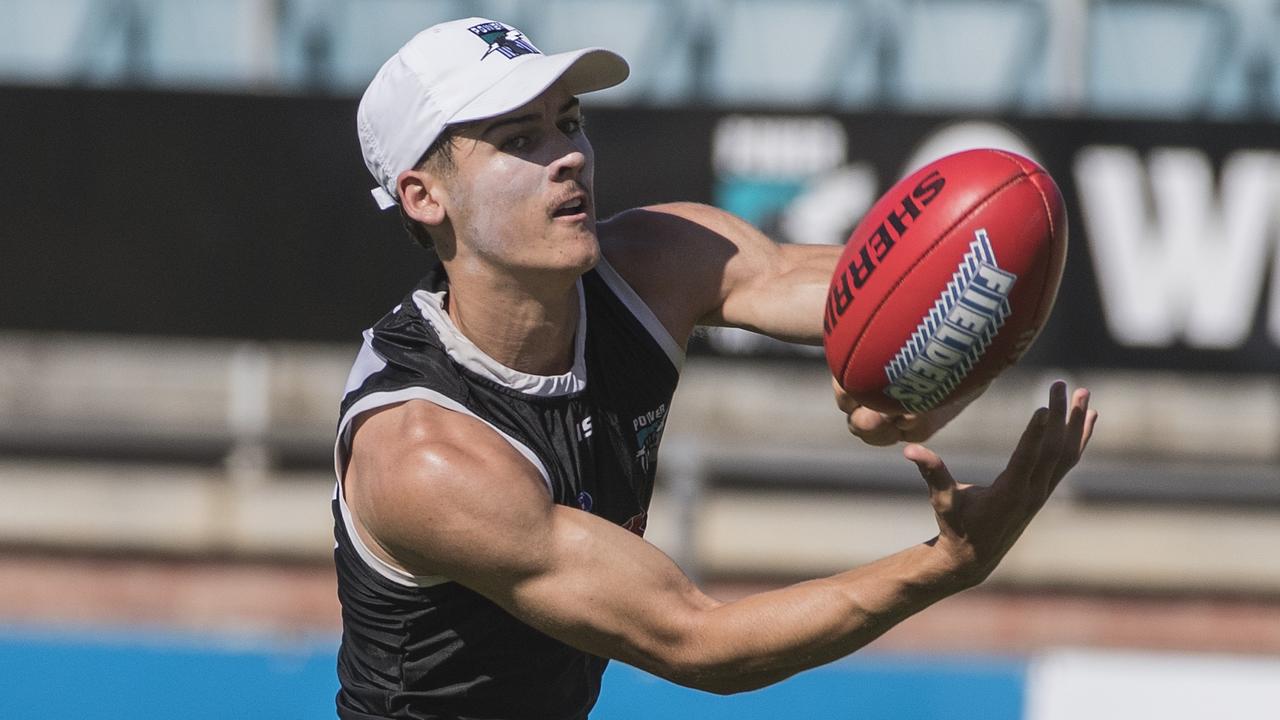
(528, 117)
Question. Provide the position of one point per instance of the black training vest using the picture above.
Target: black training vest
(443, 651)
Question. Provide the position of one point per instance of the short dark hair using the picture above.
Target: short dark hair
(438, 158)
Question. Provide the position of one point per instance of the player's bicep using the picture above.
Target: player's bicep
(442, 494)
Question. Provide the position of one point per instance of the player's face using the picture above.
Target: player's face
(521, 193)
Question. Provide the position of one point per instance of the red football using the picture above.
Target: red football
(946, 281)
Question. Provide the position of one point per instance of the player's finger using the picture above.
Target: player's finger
(844, 400)
(872, 427)
(1041, 477)
(1043, 474)
(1024, 455)
(1088, 419)
(915, 428)
(905, 422)
(942, 486)
(1075, 429)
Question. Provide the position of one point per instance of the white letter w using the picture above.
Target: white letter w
(1192, 266)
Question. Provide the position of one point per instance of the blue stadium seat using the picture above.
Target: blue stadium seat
(655, 36)
(975, 54)
(1162, 57)
(39, 40)
(795, 52)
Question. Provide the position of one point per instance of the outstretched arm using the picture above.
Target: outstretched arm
(699, 265)
(421, 485)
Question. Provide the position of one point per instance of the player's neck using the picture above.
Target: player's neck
(526, 326)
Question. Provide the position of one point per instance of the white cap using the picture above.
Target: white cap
(456, 72)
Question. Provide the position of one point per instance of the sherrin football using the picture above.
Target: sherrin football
(946, 281)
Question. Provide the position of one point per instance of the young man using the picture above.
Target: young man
(499, 435)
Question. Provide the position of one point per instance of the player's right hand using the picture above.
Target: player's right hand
(977, 525)
(882, 429)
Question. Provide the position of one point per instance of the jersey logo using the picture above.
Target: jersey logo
(508, 41)
(956, 331)
(648, 428)
(585, 502)
(637, 523)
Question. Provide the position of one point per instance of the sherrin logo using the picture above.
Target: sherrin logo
(892, 229)
(955, 333)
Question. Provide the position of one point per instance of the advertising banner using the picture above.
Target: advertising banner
(1174, 227)
(244, 216)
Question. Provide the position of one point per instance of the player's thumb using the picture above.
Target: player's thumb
(931, 468)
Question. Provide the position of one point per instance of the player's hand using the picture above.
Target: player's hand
(881, 429)
(977, 525)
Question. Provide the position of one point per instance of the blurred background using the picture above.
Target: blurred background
(188, 253)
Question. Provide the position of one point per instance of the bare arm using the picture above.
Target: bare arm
(421, 485)
(699, 265)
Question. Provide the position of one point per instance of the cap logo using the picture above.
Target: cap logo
(506, 40)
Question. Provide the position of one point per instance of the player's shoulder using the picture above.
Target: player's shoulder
(419, 441)
(665, 243)
(675, 256)
(440, 493)
(663, 222)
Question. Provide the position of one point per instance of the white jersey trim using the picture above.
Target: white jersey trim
(342, 450)
(465, 353)
(366, 364)
(642, 312)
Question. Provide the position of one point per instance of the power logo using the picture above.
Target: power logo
(637, 523)
(505, 40)
(648, 428)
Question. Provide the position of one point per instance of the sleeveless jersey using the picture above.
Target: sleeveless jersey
(425, 647)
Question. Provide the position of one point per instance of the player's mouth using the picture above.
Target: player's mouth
(573, 209)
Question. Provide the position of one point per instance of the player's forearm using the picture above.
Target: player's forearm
(603, 590)
(787, 301)
(765, 638)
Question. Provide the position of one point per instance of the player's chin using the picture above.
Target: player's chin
(578, 230)
(576, 245)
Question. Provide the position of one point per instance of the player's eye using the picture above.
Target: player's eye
(572, 125)
(515, 143)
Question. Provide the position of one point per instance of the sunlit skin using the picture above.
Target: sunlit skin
(508, 232)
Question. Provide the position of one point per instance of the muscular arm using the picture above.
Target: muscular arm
(699, 265)
(441, 494)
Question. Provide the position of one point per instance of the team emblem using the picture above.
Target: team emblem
(648, 429)
(502, 39)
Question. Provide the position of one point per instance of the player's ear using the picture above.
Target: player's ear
(422, 195)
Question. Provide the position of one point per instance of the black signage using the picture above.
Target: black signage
(247, 216)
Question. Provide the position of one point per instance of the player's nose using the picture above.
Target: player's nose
(568, 166)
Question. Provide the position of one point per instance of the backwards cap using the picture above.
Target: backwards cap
(456, 72)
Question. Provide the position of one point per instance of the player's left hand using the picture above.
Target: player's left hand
(882, 429)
